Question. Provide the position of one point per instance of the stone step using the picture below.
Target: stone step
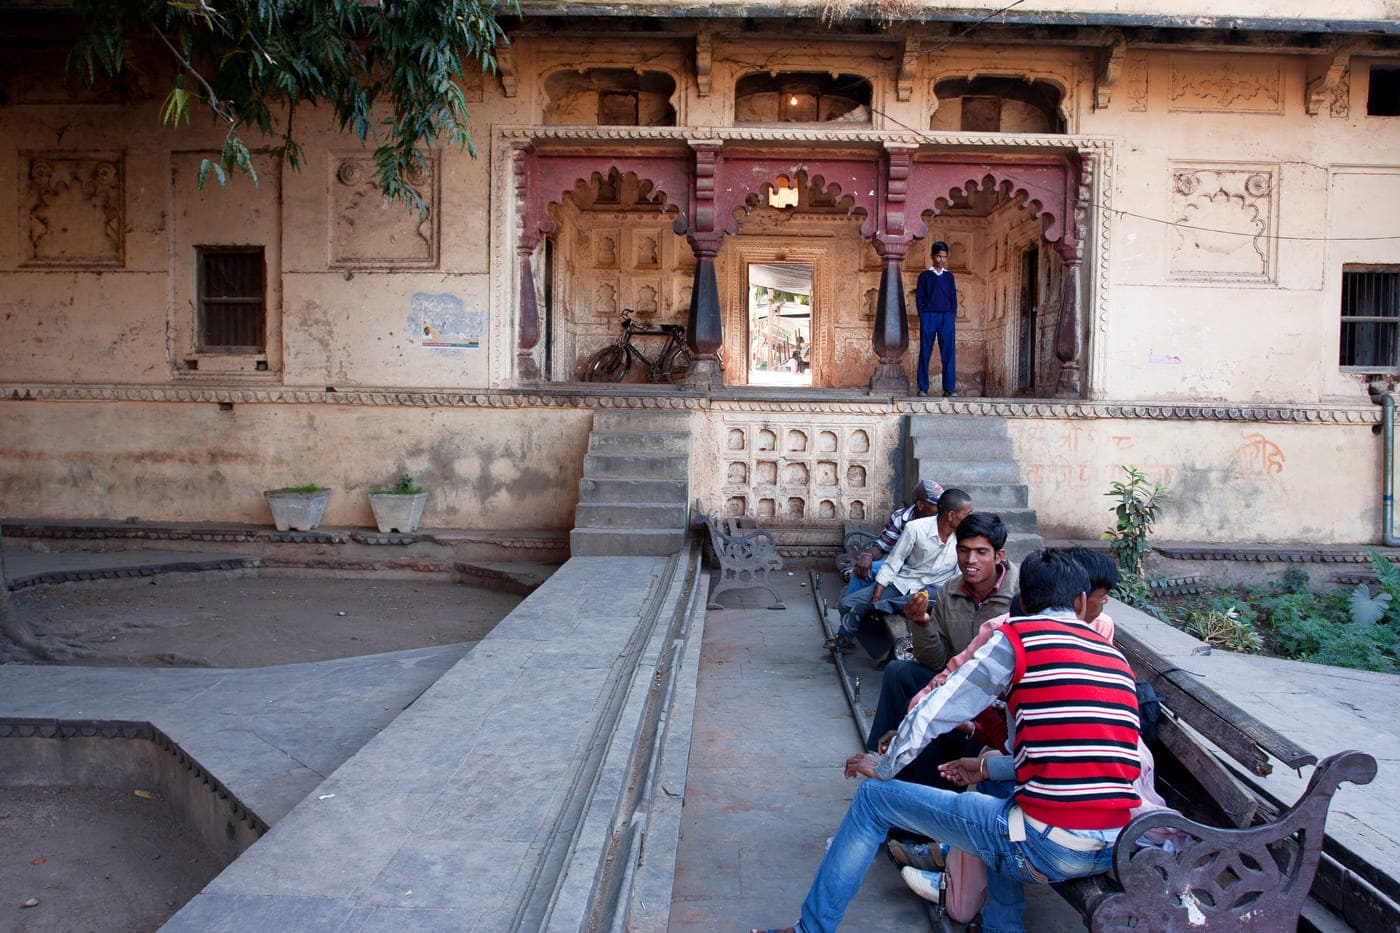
(1016, 520)
(641, 465)
(641, 421)
(962, 425)
(638, 442)
(1019, 544)
(995, 497)
(656, 515)
(962, 473)
(962, 447)
(600, 542)
(607, 489)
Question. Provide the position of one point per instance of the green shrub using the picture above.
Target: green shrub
(1139, 506)
(1225, 630)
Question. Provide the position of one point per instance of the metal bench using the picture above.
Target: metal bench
(745, 557)
(1221, 879)
(1257, 870)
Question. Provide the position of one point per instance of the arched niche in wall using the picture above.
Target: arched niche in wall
(998, 105)
(610, 97)
(802, 97)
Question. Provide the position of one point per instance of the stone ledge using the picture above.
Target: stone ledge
(590, 396)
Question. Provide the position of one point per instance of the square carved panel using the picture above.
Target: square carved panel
(72, 209)
(369, 231)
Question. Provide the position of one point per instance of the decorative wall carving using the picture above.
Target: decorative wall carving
(1134, 80)
(819, 467)
(367, 230)
(622, 397)
(1224, 218)
(1228, 83)
(72, 209)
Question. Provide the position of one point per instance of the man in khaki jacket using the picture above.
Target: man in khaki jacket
(982, 590)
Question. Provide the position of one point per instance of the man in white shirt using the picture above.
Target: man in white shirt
(923, 559)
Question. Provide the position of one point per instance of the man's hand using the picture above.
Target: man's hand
(883, 745)
(916, 609)
(864, 561)
(862, 764)
(962, 771)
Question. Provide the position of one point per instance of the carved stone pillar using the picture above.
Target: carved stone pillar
(1069, 329)
(526, 366)
(527, 369)
(704, 326)
(891, 337)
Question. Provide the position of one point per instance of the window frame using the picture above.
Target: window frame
(202, 253)
(1393, 319)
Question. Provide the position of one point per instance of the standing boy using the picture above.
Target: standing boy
(936, 297)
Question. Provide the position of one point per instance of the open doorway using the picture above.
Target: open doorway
(780, 323)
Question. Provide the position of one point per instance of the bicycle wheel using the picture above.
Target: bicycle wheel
(677, 365)
(609, 364)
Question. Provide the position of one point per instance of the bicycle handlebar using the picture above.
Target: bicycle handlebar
(662, 330)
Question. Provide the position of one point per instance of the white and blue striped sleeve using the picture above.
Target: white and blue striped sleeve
(971, 689)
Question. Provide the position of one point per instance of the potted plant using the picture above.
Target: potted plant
(400, 508)
(297, 507)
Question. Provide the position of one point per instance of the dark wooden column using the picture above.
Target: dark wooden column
(1069, 328)
(528, 336)
(705, 325)
(891, 337)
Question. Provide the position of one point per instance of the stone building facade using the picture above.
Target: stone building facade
(1173, 236)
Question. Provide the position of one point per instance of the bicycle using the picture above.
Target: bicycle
(613, 362)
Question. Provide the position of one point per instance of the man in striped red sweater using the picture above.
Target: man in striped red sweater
(1050, 811)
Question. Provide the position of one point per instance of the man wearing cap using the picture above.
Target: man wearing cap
(867, 562)
(923, 558)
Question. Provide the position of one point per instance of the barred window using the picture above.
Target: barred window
(232, 299)
(1370, 318)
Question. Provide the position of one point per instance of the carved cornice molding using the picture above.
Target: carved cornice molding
(596, 397)
(825, 135)
(1322, 554)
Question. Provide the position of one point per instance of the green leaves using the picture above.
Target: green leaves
(1139, 506)
(391, 71)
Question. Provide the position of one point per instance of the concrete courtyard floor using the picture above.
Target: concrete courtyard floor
(761, 792)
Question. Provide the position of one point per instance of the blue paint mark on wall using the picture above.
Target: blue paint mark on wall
(443, 322)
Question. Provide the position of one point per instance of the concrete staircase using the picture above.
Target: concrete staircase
(635, 492)
(974, 454)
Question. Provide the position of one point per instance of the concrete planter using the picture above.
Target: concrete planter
(396, 511)
(300, 511)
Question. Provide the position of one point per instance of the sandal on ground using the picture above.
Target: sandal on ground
(925, 856)
(839, 642)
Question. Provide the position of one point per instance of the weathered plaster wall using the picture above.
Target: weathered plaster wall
(484, 467)
(1229, 481)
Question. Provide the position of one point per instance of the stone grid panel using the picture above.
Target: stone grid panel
(797, 468)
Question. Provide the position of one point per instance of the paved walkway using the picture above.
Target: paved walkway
(491, 800)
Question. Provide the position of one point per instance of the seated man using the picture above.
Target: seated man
(860, 573)
(925, 769)
(1044, 817)
(923, 558)
(982, 590)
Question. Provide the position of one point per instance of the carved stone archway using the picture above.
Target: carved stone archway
(710, 181)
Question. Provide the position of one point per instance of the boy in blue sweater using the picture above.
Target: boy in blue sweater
(936, 297)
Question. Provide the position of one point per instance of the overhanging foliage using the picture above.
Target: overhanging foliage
(391, 70)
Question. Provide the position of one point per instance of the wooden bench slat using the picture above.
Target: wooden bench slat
(1215, 717)
(1234, 799)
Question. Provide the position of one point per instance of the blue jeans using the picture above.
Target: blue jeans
(940, 325)
(972, 821)
(859, 583)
